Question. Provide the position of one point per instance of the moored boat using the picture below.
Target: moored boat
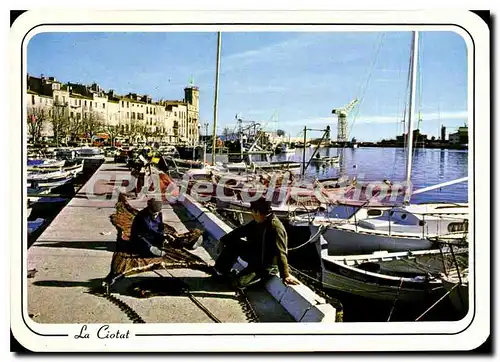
(409, 276)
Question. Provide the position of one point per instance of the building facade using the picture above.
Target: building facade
(461, 137)
(83, 111)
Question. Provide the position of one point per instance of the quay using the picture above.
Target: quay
(74, 253)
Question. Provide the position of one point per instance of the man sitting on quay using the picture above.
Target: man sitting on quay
(265, 249)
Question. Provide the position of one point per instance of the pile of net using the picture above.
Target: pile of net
(125, 262)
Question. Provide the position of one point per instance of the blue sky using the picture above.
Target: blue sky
(281, 79)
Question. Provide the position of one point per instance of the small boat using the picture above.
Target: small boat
(409, 276)
(92, 157)
(34, 193)
(35, 225)
(45, 163)
(48, 179)
(456, 284)
(285, 148)
(177, 163)
(73, 169)
(325, 159)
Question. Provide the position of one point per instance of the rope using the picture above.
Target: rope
(439, 300)
(366, 84)
(187, 292)
(395, 300)
(124, 307)
(246, 306)
(321, 230)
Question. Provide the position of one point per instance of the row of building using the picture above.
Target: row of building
(173, 121)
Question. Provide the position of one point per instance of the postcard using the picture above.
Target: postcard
(235, 181)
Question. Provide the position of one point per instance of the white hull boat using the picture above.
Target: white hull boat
(90, 156)
(325, 160)
(49, 179)
(74, 169)
(45, 163)
(414, 227)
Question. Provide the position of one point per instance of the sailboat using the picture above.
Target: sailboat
(399, 227)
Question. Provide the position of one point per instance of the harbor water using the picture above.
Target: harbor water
(430, 167)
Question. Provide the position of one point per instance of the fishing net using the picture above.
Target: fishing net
(126, 262)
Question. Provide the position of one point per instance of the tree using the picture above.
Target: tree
(112, 131)
(92, 123)
(280, 133)
(137, 129)
(60, 122)
(37, 117)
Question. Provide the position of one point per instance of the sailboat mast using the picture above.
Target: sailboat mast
(214, 133)
(411, 115)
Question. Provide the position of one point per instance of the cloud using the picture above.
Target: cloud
(433, 116)
(292, 48)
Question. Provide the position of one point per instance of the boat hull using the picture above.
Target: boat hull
(375, 286)
(459, 296)
(341, 242)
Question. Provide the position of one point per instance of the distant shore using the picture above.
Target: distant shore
(391, 145)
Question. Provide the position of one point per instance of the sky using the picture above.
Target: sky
(283, 80)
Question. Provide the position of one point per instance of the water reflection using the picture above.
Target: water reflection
(430, 167)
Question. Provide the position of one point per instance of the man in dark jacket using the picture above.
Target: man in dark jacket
(265, 248)
(148, 232)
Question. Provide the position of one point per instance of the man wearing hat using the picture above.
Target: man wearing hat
(148, 231)
(265, 248)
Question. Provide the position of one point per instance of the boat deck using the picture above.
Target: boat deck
(74, 253)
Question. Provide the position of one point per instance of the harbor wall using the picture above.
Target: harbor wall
(299, 300)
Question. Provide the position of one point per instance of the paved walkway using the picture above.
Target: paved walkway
(74, 253)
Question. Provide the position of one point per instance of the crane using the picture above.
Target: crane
(342, 120)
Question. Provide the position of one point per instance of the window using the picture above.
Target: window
(127, 114)
(123, 103)
(90, 105)
(458, 226)
(64, 99)
(85, 102)
(79, 102)
(175, 114)
(154, 111)
(104, 105)
(78, 116)
(57, 99)
(32, 99)
(374, 212)
(71, 115)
